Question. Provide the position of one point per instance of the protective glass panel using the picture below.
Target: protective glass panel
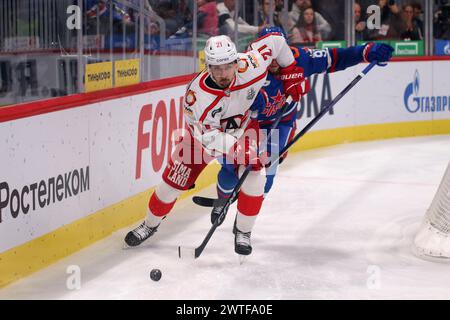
(38, 47)
(172, 51)
(400, 23)
(317, 23)
(441, 27)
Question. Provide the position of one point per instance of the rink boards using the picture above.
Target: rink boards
(76, 169)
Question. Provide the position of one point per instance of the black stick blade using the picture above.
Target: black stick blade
(204, 201)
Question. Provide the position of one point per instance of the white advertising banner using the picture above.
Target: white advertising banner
(399, 92)
(62, 166)
(58, 167)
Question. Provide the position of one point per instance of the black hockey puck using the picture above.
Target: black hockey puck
(155, 274)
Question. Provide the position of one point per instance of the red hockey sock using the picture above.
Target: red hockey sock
(159, 208)
(249, 205)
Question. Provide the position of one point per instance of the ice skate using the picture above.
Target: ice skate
(139, 235)
(242, 243)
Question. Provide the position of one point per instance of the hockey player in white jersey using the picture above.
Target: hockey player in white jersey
(217, 110)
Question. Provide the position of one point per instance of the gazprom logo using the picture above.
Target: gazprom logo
(414, 102)
(416, 83)
(447, 49)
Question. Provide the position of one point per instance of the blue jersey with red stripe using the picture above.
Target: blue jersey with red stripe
(270, 99)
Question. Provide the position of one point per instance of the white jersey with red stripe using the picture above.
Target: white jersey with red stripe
(218, 117)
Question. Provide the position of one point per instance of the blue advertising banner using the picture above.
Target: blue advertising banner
(442, 47)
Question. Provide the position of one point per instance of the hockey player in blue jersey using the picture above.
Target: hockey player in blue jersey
(271, 100)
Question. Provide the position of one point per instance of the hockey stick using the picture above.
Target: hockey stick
(211, 202)
(204, 201)
(277, 157)
(195, 253)
(198, 251)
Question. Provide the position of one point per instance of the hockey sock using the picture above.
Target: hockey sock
(157, 210)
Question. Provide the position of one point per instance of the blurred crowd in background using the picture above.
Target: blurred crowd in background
(45, 45)
(305, 21)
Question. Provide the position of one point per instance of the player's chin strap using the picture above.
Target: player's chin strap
(195, 253)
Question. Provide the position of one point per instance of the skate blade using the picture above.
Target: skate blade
(242, 259)
(126, 247)
(146, 245)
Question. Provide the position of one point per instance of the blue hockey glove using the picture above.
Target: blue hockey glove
(379, 52)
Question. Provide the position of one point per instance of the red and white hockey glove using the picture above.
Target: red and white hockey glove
(245, 150)
(294, 82)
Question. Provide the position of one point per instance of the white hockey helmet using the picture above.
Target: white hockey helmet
(220, 50)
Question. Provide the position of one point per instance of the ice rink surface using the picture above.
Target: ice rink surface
(338, 224)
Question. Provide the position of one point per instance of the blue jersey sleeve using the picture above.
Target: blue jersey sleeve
(344, 58)
(327, 60)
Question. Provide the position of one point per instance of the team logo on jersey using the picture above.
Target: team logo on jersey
(227, 92)
(251, 94)
(242, 65)
(273, 106)
(190, 98)
(213, 114)
(253, 60)
(231, 124)
(188, 111)
(234, 122)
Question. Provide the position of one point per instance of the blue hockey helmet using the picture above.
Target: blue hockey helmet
(272, 29)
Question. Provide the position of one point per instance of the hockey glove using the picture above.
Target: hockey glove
(379, 52)
(246, 153)
(245, 150)
(294, 82)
